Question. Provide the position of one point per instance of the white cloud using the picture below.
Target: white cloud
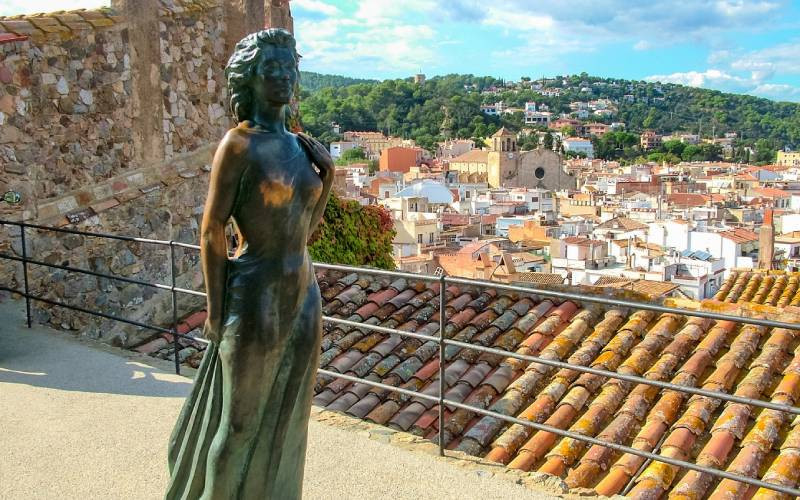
(642, 45)
(778, 91)
(374, 37)
(710, 77)
(726, 81)
(671, 21)
(316, 6)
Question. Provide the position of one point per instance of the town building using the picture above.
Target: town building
(789, 158)
(448, 150)
(399, 159)
(337, 148)
(503, 165)
(572, 256)
(579, 146)
(649, 140)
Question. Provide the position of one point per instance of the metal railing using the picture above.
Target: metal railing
(442, 342)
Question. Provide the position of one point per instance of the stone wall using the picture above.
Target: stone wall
(109, 127)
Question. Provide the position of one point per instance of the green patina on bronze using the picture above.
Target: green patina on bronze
(242, 431)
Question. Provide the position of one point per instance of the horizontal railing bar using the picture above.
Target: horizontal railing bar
(187, 291)
(87, 311)
(626, 303)
(86, 271)
(379, 385)
(573, 435)
(186, 245)
(86, 233)
(628, 449)
(382, 329)
(629, 378)
(103, 315)
(367, 270)
(102, 275)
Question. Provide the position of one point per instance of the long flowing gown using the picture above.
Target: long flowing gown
(242, 431)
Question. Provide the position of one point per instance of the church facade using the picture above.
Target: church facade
(503, 165)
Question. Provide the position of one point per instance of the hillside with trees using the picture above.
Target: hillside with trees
(403, 108)
(312, 82)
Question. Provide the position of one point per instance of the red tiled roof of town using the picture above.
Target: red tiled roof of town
(454, 219)
(579, 240)
(770, 192)
(477, 245)
(686, 200)
(474, 156)
(539, 278)
(622, 222)
(503, 132)
(651, 287)
(740, 235)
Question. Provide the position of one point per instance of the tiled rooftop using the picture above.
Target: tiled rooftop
(746, 360)
(740, 359)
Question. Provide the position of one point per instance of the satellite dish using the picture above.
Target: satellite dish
(12, 197)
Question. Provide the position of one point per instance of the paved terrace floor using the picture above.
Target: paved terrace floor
(82, 421)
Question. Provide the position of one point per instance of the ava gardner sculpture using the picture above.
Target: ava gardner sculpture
(242, 431)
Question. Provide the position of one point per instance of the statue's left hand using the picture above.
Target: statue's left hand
(319, 155)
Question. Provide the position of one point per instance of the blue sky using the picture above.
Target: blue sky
(743, 46)
(748, 47)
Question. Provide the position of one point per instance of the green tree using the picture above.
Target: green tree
(354, 235)
(765, 151)
(352, 155)
(673, 146)
(568, 131)
(529, 142)
(547, 142)
(692, 152)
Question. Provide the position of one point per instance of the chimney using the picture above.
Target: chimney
(766, 241)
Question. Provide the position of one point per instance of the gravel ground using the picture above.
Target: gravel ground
(83, 421)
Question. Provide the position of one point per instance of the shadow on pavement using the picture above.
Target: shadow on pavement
(45, 358)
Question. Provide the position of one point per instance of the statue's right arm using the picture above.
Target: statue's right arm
(226, 170)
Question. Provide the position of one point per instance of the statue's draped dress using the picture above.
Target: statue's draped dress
(242, 431)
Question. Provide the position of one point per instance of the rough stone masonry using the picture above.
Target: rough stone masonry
(108, 121)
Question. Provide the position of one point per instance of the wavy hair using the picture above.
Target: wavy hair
(241, 66)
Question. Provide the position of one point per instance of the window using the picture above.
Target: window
(539, 173)
(419, 238)
(430, 238)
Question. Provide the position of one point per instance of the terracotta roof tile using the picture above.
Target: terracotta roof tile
(689, 352)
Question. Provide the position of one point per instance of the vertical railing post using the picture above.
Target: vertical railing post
(442, 323)
(25, 274)
(173, 273)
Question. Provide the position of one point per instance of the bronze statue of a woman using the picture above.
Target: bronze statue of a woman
(242, 431)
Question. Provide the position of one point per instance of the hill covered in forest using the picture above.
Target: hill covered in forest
(450, 105)
(312, 82)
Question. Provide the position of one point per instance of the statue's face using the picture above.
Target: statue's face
(275, 76)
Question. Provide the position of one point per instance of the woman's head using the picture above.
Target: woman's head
(263, 67)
